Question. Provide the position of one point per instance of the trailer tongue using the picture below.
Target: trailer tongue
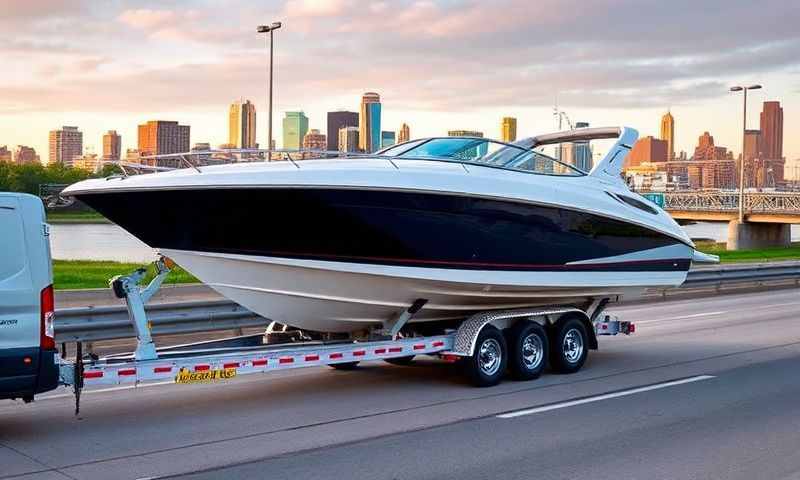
(486, 343)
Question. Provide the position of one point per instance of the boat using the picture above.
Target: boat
(456, 225)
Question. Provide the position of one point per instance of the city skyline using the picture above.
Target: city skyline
(74, 75)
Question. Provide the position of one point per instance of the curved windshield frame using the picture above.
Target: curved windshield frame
(481, 151)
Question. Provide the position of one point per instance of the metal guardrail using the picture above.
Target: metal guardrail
(112, 322)
(728, 276)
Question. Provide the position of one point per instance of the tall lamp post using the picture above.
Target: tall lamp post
(744, 141)
(269, 29)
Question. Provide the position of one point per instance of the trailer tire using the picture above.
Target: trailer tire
(487, 364)
(344, 366)
(569, 345)
(402, 361)
(528, 350)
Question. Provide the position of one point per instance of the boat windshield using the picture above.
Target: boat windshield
(481, 151)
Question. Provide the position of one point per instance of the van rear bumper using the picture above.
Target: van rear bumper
(25, 372)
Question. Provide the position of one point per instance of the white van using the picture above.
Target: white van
(27, 340)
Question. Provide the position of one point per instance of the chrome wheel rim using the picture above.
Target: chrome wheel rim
(489, 357)
(532, 351)
(573, 345)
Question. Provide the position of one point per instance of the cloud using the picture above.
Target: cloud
(146, 19)
(435, 55)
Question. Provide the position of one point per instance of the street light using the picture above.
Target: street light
(744, 140)
(269, 29)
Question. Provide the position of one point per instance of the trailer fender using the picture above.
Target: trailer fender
(467, 333)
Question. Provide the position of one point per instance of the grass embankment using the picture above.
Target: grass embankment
(56, 217)
(71, 274)
(758, 255)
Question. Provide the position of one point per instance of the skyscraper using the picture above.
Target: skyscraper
(337, 121)
(348, 139)
(295, 127)
(369, 123)
(583, 152)
(387, 139)
(5, 154)
(160, 137)
(772, 130)
(65, 145)
(508, 129)
(404, 134)
(112, 146)
(668, 134)
(242, 124)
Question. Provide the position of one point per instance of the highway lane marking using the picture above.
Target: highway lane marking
(605, 396)
(721, 312)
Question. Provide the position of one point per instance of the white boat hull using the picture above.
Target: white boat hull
(345, 297)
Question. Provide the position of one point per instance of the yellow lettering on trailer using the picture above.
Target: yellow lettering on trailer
(186, 376)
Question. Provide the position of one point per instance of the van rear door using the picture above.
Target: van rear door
(27, 358)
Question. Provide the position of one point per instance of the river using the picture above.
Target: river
(109, 242)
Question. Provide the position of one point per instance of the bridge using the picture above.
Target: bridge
(767, 215)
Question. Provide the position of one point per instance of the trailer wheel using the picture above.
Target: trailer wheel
(344, 366)
(569, 346)
(402, 361)
(528, 350)
(488, 362)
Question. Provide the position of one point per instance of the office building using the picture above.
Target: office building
(64, 145)
(112, 146)
(25, 155)
(387, 139)
(295, 127)
(404, 134)
(369, 123)
(337, 121)
(752, 144)
(668, 134)
(5, 154)
(508, 129)
(314, 140)
(348, 139)
(89, 162)
(160, 137)
(772, 131)
(583, 151)
(647, 150)
(242, 124)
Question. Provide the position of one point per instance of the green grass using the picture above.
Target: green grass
(758, 255)
(75, 217)
(73, 274)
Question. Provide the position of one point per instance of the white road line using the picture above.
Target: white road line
(683, 317)
(572, 403)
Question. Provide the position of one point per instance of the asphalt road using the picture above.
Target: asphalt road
(706, 388)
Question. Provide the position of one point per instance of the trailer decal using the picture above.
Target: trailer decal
(185, 376)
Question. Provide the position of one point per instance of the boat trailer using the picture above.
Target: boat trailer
(224, 359)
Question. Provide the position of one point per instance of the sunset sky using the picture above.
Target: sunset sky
(438, 65)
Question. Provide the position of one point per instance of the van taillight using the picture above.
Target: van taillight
(48, 316)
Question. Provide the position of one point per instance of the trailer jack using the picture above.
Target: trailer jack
(127, 287)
